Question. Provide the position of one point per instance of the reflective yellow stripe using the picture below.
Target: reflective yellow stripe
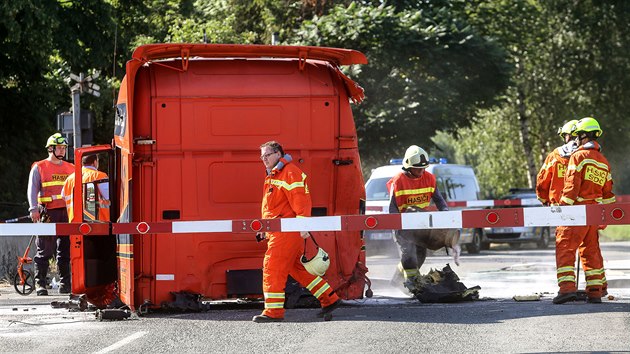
(414, 191)
(568, 278)
(52, 183)
(598, 200)
(567, 200)
(274, 305)
(44, 199)
(594, 282)
(321, 290)
(282, 184)
(609, 200)
(274, 295)
(566, 269)
(411, 273)
(584, 162)
(421, 206)
(314, 283)
(597, 271)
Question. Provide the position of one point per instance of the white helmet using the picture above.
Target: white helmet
(318, 264)
(415, 157)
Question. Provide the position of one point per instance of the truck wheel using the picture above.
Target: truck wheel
(475, 246)
(544, 239)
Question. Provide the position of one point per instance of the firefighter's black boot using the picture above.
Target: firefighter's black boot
(564, 297)
(64, 277)
(40, 278)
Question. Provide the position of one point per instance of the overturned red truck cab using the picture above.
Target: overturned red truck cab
(190, 120)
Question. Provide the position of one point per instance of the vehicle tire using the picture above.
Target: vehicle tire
(515, 246)
(475, 246)
(544, 239)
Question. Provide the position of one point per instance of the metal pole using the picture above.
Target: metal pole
(76, 117)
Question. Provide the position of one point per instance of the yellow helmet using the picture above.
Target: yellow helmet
(567, 128)
(587, 124)
(56, 139)
(415, 157)
(318, 265)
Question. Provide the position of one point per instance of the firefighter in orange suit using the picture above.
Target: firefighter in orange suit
(90, 173)
(550, 180)
(286, 195)
(45, 183)
(588, 180)
(413, 188)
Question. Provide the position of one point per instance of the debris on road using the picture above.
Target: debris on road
(443, 286)
(533, 297)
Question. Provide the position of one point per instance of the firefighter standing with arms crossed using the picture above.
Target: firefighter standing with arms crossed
(286, 195)
(588, 180)
(45, 182)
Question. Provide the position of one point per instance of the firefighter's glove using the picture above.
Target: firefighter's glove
(260, 236)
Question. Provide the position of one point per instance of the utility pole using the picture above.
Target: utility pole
(83, 84)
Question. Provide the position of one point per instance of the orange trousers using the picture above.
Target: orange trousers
(284, 250)
(568, 240)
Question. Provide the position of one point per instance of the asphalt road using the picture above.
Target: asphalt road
(390, 322)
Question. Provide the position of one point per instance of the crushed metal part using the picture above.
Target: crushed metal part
(75, 303)
(112, 314)
(442, 286)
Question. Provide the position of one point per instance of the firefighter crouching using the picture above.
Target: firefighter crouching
(588, 180)
(286, 195)
(413, 188)
(45, 183)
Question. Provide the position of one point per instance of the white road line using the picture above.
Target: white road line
(121, 343)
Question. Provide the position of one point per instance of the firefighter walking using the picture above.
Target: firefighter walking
(286, 195)
(588, 180)
(45, 183)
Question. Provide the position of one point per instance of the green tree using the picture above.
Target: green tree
(428, 71)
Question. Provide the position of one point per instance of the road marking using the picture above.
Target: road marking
(121, 343)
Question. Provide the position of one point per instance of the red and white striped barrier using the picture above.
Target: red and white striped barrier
(578, 215)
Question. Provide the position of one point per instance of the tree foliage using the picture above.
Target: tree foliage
(427, 71)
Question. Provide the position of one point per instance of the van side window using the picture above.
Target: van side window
(457, 188)
(442, 187)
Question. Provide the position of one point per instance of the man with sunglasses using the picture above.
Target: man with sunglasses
(45, 183)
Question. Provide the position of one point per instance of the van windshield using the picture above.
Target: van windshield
(457, 188)
(376, 189)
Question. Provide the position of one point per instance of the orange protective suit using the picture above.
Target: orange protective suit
(89, 174)
(286, 195)
(588, 181)
(550, 179)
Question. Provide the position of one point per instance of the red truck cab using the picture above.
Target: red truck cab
(189, 123)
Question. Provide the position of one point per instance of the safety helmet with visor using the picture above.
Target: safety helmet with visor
(56, 140)
(567, 128)
(415, 157)
(587, 125)
(318, 265)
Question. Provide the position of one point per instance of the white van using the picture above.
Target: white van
(455, 182)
